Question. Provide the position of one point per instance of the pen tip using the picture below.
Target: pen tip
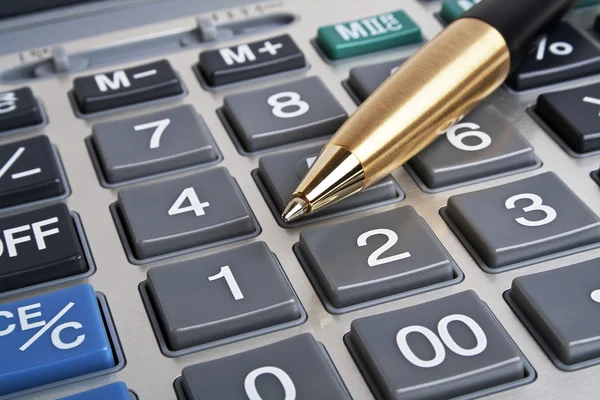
(294, 210)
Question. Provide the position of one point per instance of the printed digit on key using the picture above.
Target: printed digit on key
(287, 100)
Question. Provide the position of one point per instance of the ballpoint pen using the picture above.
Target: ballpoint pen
(428, 94)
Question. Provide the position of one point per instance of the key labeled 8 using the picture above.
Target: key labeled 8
(287, 105)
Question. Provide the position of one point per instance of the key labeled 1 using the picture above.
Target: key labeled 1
(52, 337)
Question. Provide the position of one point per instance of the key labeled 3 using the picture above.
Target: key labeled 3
(442, 349)
(522, 222)
(52, 337)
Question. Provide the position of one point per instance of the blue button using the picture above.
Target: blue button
(52, 337)
(114, 391)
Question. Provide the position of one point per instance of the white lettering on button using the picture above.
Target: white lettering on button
(24, 317)
(310, 161)
(244, 53)
(591, 100)
(368, 27)
(118, 80)
(595, 295)
(196, 206)
(13, 159)
(11, 327)
(159, 129)
(145, 74)
(39, 235)
(288, 385)
(8, 102)
(270, 48)
(55, 334)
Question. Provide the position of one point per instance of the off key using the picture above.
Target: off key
(52, 337)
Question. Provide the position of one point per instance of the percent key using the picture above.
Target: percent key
(52, 337)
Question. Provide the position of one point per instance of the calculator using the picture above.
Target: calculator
(148, 148)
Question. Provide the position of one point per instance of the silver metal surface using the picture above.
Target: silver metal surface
(148, 372)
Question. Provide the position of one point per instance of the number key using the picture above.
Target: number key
(19, 109)
(196, 211)
(374, 259)
(442, 349)
(283, 114)
(522, 222)
(295, 368)
(480, 146)
(220, 298)
(151, 144)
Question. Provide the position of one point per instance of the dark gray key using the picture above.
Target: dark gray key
(568, 323)
(19, 109)
(178, 214)
(437, 350)
(221, 295)
(364, 80)
(523, 220)
(295, 368)
(375, 256)
(483, 144)
(574, 116)
(153, 143)
(283, 114)
(281, 173)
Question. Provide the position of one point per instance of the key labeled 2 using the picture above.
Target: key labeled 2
(39, 246)
(52, 337)
(522, 222)
(29, 172)
(414, 352)
(374, 259)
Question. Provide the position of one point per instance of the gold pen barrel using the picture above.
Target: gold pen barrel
(430, 92)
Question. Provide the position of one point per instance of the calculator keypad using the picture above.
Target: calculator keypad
(283, 114)
(151, 144)
(562, 55)
(39, 246)
(202, 209)
(221, 296)
(281, 173)
(19, 109)
(250, 60)
(294, 368)
(523, 220)
(441, 349)
(29, 172)
(374, 257)
(125, 87)
(565, 324)
(573, 115)
(481, 145)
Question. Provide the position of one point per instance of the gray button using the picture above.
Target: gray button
(283, 114)
(568, 323)
(483, 144)
(523, 220)
(437, 350)
(178, 214)
(221, 295)
(364, 80)
(295, 368)
(153, 143)
(375, 256)
(281, 173)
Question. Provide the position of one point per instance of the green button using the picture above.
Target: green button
(452, 9)
(585, 3)
(380, 32)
